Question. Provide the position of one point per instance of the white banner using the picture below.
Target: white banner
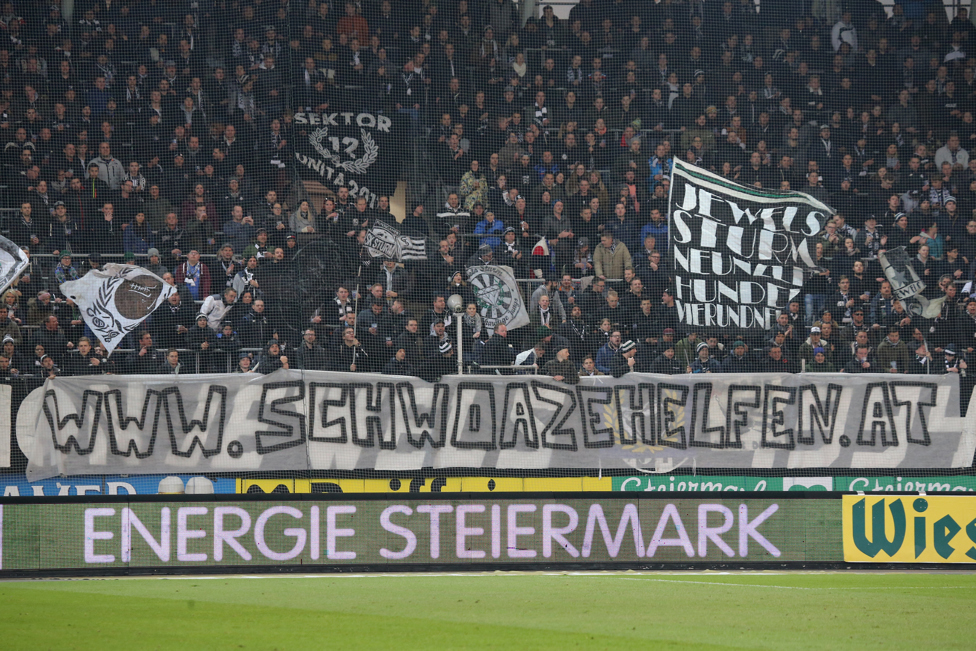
(291, 420)
(114, 301)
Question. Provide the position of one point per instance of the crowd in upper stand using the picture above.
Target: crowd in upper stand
(163, 130)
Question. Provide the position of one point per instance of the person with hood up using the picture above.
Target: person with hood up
(203, 340)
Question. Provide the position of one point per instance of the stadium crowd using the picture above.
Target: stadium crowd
(160, 133)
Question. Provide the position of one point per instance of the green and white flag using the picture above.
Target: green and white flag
(498, 297)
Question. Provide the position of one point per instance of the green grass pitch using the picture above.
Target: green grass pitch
(762, 610)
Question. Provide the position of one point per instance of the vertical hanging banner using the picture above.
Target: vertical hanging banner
(738, 253)
(114, 301)
(348, 149)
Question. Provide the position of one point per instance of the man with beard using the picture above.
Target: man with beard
(310, 356)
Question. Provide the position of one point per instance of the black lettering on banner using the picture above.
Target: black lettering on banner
(188, 426)
(424, 426)
(593, 422)
(554, 428)
(769, 425)
(91, 409)
(648, 432)
(672, 437)
(373, 424)
(475, 422)
(518, 417)
(706, 387)
(629, 426)
(920, 406)
(132, 447)
(737, 418)
(823, 414)
(345, 399)
(881, 416)
(286, 429)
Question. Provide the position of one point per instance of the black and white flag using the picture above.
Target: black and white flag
(12, 262)
(117, 299)
(738, 253)
(906, 284)
(387, 240)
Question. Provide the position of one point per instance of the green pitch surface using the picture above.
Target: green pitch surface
(500, 610)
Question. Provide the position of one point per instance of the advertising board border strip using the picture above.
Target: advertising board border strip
(622, 496)
(757, 566)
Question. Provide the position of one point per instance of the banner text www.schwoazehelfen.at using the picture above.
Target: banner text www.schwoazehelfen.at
(293, 420)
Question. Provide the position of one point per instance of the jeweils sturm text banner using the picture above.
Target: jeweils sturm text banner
(293, 420)
(175, 534)
(738, 253)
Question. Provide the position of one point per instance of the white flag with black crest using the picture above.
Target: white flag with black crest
(115, 300)
(12, 262)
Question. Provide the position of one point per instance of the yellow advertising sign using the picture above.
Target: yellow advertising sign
(909, 529)
(426, 485)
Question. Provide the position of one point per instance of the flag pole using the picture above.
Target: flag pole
(359, 274)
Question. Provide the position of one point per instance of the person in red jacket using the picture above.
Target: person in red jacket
(194, 275)
(353, 25)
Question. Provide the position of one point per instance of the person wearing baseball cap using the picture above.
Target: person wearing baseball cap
(623, 362)
(953, 363)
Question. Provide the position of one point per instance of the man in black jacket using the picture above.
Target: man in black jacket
(310, 356)
(172, 321)
(412, 341)
(623, 362)
(666, 363)
(145, 360)
(52, 338)
(499, 351)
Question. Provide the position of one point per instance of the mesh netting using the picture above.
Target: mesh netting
(414, 244)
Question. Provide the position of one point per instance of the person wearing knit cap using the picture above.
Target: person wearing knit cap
(704, 362)
(623, 362)
(820, 363)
